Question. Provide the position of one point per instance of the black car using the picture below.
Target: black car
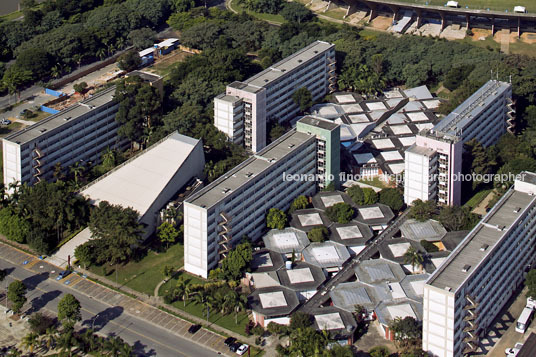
(194, 328)
(229, 341)
(234, 346)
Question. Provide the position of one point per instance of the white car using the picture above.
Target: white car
(514, 351)
(242, 349)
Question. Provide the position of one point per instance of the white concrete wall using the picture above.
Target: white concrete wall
(438, 321)
(12, 162)
(195, 240)
(416, 179)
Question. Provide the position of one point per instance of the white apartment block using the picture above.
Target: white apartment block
(236, 204)
(243, 111)
(434, 163)
(469, 289)
(78, 133)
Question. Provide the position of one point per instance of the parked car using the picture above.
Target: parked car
(234, 346)
(512, 352)
(194, 328)
(5, 121)
(63, 274)
(229, 341)
(242, 349)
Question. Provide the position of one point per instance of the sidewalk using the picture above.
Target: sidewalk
(146, 309)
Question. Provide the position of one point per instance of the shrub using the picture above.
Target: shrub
(340, 212)
(318, 234)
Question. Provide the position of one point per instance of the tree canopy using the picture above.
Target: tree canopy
(318, 234)
(16, 294)
(392, 197)
(340, 212)
(422, 210)
(276, 219)
(69, 310)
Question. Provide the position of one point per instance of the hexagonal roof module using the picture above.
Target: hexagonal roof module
(266, 260)
(286, 241)
(340, 323)
(387, 311)
(273, 301)
(430, 230)
(377, 214)
(351, 234)
(347, 295)
(307, 219)
(302, 276)
(374, 271)
(323, 200)
(326, 255)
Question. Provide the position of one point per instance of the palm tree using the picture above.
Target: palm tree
(30, 341)
(77, 58)
(114, 344)
(126, 350)
(50, 337)
(77, 170)
(120, 43)
(413, 257)
(240, 305)
(55, 71)
(229, 301)
(210, 303)
(66, 341)
(101, 53)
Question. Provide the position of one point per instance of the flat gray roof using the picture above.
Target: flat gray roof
(66, 116)
(288, 64)
(459, 119)
(420, 150)
(247, 171)
(481, 241)
(321, 123)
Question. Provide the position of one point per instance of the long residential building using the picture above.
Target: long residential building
(433, 165)
(242, 112)
(236, 204)
(78, 133)
(467, 291)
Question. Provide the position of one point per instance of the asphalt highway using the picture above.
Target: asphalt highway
(147, 339)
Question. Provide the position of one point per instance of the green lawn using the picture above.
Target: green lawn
(498, 5)
(11, 128)
(523, 48)
(476, 199)
(266, 17)
(374, 181)
(144, 276)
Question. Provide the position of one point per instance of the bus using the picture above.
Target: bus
(524, 320)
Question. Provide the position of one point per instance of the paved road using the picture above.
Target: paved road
(347, 270)
(6, 100)
(147, 339)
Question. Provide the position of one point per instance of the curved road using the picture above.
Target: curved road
(147, 339)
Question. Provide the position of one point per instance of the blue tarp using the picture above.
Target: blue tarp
(49, 110)
(54, 93)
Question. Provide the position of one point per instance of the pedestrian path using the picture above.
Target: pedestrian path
(110, 297)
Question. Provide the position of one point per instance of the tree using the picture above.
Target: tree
(300, 320)
(80, 87)
(406, 329)
(182, 5)
(168, 270)
(85, 254)
(455, 218)
(530, 283)
(340, 212)
(296, 12)
(16, 294)
(3, 274)
(302, 97)
(142, 38)
(129, 61)
(356, 194)
(307, 342)
(414, 258)
(15, 78)
(39, 323)
(167, 234)
(422, 210)
(300, 202)
(117, 230)
(264, 6)
(276, 219)
(370, 196)
(69, 311)
(392, 198)
(276, 130)
(30, 341)
(379, 351)
(318, 234)
(236, 262)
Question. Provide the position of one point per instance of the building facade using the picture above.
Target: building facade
(433, 165)
(236, 204)
(467, 291)
(80, 133)
(267, 96)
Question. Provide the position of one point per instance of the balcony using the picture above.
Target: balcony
(38, 153)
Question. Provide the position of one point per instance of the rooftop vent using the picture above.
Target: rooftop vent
(316, 51)
(42, 130)
(67, 118)
(501, 228)
(226, 190)
(291, 146)
(517, 210)
(300, 61)
(448, 288)
(265, 80)
(271, 160)
(249, 174)
(466, 268)
(484, 247)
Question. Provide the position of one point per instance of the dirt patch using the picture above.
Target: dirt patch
(479, 34)
(528, 37)
(168, 60)
(316, 5)
(382, 22)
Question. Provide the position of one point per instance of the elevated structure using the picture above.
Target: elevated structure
(243, 111)
(236, 204)
(79, 133)
(467, 291)
(148, 181)
(433, 165)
